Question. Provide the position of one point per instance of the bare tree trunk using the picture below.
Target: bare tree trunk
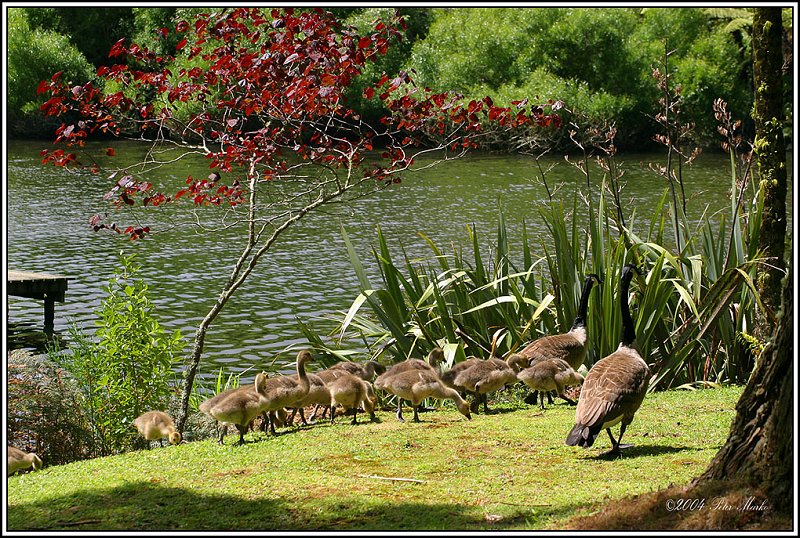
(770, 149)
(759, 449)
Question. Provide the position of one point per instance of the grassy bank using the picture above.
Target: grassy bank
(508, 470)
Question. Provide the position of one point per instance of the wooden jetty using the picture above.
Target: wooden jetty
(41, 286)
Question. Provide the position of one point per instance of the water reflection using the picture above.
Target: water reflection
(305, 276)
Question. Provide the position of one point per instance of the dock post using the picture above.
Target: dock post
(49, 315)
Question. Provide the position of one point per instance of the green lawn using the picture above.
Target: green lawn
(509, 470)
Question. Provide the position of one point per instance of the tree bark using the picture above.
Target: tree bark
(759, 449)
(770, 149)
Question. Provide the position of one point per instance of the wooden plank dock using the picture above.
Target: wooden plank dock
(41, 286)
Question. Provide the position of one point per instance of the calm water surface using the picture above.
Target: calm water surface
(305, 276)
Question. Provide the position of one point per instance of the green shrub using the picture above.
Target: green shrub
(45, 410)
(35, 55)
(127, 368)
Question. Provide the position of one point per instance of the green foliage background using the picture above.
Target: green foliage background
(598, 61)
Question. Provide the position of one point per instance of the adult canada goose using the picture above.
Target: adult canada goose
(18, 460)
(570, 346)
(550, 375)
(415, 385)
(237, 406)
(484, 377)
(615, 386)
(155, 425)
(432, 364)
(350, 391)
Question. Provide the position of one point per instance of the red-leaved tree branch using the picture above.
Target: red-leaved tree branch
(261, 95)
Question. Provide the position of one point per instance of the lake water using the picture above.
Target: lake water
(305, 276)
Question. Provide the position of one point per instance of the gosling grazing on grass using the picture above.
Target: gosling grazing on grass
(350, 391)
(415, 385)
(570, 346)
(432, 364)
(485, 377)
(238, 406)
(155, 425)
(615, 386)
(550, 375)
(19, 460)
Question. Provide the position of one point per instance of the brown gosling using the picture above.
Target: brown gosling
(417, 384)
(615, 386)
(450, 375)
(432, 364)
(238, 406)
(365, 371)
(550, 375)
(287, 391)
(318, 394)
(350, 392)
(19, 460)
(570, 346)
(483, 378)
(518, 362)
(155, 425)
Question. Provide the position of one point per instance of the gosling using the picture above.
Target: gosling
(155, 425)
(550, 375)
(238, 406)
(483, 378)
(19, 460)
(416, 385)
(350, 392)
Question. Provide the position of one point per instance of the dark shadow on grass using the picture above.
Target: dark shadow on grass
(146, 506)
(640, 450)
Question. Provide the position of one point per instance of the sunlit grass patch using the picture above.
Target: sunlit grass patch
(507, 470)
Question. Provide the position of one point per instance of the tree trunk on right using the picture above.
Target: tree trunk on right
(759, 449)
(770, 150)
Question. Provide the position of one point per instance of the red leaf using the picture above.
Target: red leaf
(111, 152)
(163, 32)
(364, 42)
(181, 44)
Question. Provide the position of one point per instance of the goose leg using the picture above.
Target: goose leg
(160, 442)
(241, 433)
(221, 430)
(621, 432)
(400, 410)
(614, 444)
(541, 399)
(355, 416)
(272, 419)
(416, 415)
(485, 403)
(302, 416)
(476, 401)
